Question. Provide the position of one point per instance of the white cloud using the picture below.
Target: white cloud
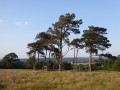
(27, 23)
(23, 23)
(18, 23)
(1, 21)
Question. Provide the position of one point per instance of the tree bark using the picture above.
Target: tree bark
(90, 56)
(60, 62)
(48, 60)
(46, 55)
(76, 58)
(35, 56)
(38, 57)
(49, 55)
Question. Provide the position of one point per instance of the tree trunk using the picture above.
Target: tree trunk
(90, 56)
(48, 60)
(38, 57)
(46, 55)
(35, 56)
(49, 55)
(76, 58)
(60, 62)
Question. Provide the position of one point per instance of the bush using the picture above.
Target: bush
(38, 65)
(96, 66)
(102, 65)
(66, 65)
(83, 67)
(49, 64)
(116, 65)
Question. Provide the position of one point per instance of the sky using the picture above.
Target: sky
(21, 20)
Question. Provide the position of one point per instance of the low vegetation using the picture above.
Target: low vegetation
(55, 80)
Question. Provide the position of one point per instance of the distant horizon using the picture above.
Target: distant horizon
(53, 57)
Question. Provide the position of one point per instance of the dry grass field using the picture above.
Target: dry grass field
(53, 80)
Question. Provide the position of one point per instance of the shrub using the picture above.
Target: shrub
(66, 65)
(83, 67)
(96, 66)
(49, 64)
(116, 65)
(38, 65)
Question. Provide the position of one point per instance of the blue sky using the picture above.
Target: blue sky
(21, 20)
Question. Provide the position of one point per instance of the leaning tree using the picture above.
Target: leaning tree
(61, 31)
(94, 39)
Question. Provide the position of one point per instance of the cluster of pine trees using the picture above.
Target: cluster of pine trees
(56, 37)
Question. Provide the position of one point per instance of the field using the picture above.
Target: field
(54, 80)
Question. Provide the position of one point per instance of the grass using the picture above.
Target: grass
(54, 80)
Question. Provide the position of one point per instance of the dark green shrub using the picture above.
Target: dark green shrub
(82, 67)
(49, 64)
(116, 65)
(102, 65)
(96, 66)
(38, 65)
(66, 65)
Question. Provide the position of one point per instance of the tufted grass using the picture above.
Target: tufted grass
(15, 79)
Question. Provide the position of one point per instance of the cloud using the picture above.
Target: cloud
(18, 23)
(0, 21)
(27, 23)
(23, 23)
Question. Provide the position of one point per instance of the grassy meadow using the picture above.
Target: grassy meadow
(18, 79)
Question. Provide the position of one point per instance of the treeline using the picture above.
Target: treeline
(11, 61)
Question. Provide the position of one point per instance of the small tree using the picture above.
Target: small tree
(11, 61)
(94, 39)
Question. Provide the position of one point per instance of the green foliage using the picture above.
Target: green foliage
(83, 67)
(96, 66)
(11, 61)
(116, 65)
(118, 57)
(49, 64)
(95, 39)
(30, 62)
(109, 56)
(38, 65)
(102, 65)
(66, 65)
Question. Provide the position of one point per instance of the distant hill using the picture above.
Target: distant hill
(68, 59)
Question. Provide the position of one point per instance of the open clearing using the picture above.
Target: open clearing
(15, 79)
